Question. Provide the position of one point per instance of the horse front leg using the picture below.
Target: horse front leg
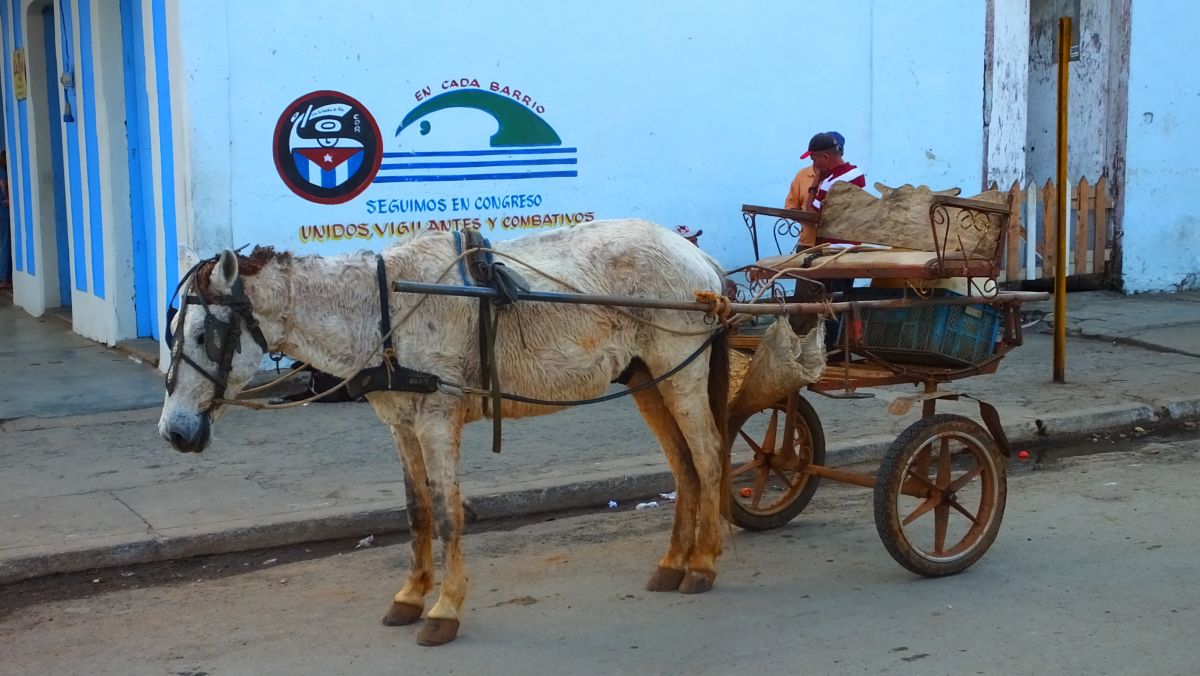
(440, 443)
(409, 602)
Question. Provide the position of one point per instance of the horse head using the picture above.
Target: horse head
(216, 345)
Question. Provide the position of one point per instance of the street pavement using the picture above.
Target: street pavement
(87, 482)
(1093, 572)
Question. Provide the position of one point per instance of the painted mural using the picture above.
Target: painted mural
(440, 169)
(666, 116)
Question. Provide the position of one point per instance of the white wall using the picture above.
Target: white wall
(1090, 92)
(680, 111)
(1007, 106)
(1162, 227)
(204, 47)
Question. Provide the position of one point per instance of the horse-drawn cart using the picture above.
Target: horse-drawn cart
(435, 356)
(940, 489)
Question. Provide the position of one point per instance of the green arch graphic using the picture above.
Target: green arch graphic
(519, 126)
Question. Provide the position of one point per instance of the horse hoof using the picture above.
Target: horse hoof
(437, 631)
(698, 582)
(401, 614)
(664, 579)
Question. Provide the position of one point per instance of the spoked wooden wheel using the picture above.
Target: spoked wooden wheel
(770, 452)
(939, 495)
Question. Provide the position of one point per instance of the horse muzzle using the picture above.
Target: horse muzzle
(190, 441)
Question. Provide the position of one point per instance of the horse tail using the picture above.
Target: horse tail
(718, 402)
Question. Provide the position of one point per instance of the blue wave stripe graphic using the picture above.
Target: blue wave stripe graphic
(474, 177)
(467, 165)
(473, 153)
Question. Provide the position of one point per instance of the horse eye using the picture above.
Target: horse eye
(200, 339)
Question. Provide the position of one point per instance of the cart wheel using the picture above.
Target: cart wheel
(770, 486)
(939, 495)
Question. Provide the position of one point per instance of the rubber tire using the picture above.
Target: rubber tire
(887, 485)
(759, 522)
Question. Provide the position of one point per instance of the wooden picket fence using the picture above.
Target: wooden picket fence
(1035, 219)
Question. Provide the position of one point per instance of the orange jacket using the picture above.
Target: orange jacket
(798, 196)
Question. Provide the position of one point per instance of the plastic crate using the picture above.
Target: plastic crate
(942, 335)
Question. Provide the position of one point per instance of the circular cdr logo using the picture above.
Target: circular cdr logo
(327, 147)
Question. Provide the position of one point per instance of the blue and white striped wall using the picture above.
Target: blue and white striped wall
(108, 192)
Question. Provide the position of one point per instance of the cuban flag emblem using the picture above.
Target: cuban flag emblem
(327, 147)
(327, 167)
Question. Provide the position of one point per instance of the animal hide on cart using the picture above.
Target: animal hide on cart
(901, 218)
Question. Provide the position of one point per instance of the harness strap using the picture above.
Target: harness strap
(388, 376)
(462, 260)
(239, 304)
(487, 365)
(385, 310)
(479, 264)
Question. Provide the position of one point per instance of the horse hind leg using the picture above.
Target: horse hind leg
(670, 571)
(409, 602)
(686, 396)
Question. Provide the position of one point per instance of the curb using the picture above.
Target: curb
(188, 541)
(386, 517)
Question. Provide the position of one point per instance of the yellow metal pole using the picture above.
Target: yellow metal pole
(1060, 244)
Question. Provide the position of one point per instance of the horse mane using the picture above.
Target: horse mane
(248, 266)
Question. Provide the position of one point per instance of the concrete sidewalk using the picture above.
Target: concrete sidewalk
(101, 489)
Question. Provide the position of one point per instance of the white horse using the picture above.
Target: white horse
(326, 311)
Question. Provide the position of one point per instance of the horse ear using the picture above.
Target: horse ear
(226, 271)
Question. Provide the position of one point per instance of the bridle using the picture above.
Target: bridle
(221, 338)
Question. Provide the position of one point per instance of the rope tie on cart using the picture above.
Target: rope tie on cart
(720, 308)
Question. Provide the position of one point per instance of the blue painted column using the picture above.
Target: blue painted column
(10, 129)
(95, 188)
(74, 185)
(62, 242)
(141, 170)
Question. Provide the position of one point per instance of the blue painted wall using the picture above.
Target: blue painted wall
(62, 244)
(12, 133)
(926, 93)
(91, 199)
(75, 181)
(1162, 225)
(166, 145)
(25, 184)
(141, 197)
(95, 188)
(75, 57)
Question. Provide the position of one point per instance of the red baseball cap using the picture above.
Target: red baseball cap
(826, 140)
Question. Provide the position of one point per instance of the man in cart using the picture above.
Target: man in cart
(829, 166)
(812, 183)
